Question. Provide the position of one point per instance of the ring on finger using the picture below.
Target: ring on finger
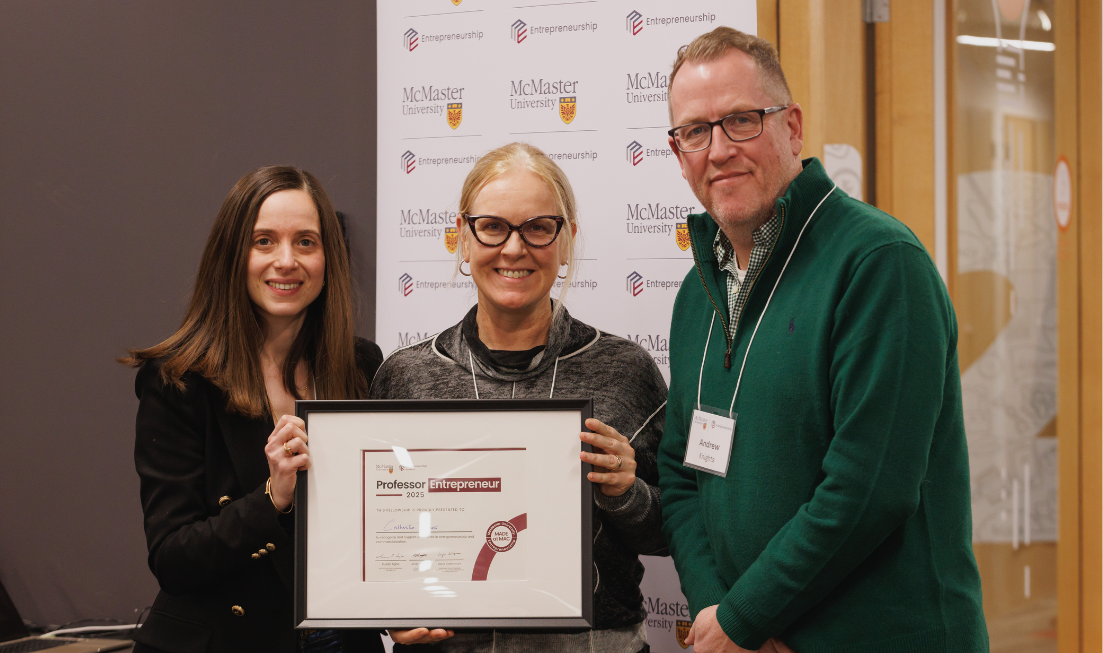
(613, 469)
(287, 448)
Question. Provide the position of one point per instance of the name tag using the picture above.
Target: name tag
(709, 442)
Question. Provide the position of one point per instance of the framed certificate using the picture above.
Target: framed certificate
(444, 514)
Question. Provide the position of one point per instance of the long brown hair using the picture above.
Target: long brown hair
(221, 335)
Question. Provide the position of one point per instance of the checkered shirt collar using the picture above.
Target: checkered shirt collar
(725, 253)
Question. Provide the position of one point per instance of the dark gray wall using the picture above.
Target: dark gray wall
(123, 125)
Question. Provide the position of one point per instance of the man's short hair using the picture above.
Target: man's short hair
(715, 44)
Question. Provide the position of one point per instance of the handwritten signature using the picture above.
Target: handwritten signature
(391, 526)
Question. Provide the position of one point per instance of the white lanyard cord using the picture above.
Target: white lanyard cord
(555, 370)
(739, 379)
(700, 376)
(471, 362)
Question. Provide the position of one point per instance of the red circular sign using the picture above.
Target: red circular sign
(501, 536)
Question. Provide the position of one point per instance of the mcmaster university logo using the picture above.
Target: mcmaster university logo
(568, 106)
(411, 39)
(409, 161)
(633, 24)
(681, 235)
(681, 632)
(635, 283)
(635, 153)
(520, 31)
(405, 284)
(455, 114)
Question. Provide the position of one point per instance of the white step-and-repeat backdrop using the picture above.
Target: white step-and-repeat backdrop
(585, 81)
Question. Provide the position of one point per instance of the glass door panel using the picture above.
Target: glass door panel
(1005, 295)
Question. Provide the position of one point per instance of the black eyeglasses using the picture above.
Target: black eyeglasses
(741, 126)
(492, 231)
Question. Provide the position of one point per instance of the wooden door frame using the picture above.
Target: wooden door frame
(1077, 25)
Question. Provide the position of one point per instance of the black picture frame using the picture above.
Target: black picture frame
(304, 408)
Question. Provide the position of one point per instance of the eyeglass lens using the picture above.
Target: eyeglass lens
(495, 231)
(738, 127)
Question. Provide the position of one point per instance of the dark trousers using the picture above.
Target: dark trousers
(340, 641)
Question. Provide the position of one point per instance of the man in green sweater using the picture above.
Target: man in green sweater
(814, 471)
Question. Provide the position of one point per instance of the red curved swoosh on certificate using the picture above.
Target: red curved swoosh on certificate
(486, 556)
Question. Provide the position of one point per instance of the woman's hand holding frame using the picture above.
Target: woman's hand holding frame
(287, 455)
(618, 459)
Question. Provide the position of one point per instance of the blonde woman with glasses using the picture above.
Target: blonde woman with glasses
(517, 229)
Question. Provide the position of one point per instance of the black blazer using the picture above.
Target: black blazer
(221, 553)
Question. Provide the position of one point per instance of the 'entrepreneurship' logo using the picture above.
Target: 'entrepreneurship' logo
(405, 284)
(409, 161)
(635, 153)
(634, 23)
(635, 283)
(520, 31)
(411, 39)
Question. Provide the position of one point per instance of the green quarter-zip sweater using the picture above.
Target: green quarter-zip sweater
(843, 523)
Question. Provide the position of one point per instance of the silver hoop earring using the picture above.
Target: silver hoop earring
(466, 274)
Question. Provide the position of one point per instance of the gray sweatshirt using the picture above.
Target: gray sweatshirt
(628, 393)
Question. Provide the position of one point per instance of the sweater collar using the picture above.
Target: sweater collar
(565, 337)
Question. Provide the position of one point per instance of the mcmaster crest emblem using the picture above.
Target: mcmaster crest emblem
(455, 114)
(457, 2)
(451, 239)
(567, 109)
(681, 630)
(681, 235)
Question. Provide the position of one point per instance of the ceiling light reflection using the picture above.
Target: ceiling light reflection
(1044, 18)
(989, 42)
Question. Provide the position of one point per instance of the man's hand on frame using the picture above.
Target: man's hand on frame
(707, 636)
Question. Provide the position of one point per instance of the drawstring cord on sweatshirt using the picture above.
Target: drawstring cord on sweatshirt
(471, 362)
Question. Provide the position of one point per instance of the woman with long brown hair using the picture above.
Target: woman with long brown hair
(218, 446)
